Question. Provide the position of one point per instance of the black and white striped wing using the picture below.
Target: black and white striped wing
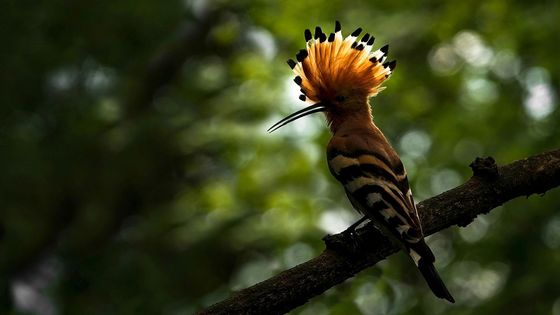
(378, 190)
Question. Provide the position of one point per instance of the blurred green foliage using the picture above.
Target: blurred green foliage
(118, 199)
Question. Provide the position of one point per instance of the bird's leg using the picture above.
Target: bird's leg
(352, 228)
(347, 240)
(351, 236)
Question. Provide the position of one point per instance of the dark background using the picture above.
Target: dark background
(138, 178)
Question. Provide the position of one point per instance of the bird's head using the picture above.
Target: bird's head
(337, 75)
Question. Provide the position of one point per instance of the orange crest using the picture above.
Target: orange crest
(333, 65)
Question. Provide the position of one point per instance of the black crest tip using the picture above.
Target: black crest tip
(307, 35)
(331, 37)
(291, 63)
(373, 59)
(300, 56)
(354, 44)
(302, 97)
(318, 32)
(337, 27)
(298, 80)
(391, 65)
(384, 49)
(370, 41)
(356, 32)
(360, 47)
(365, 38)
(323, 37)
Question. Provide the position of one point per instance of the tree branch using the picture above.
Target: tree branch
(489, 187)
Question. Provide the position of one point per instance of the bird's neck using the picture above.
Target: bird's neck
(354, 118)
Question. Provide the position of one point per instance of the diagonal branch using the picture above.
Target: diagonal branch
(489, 187)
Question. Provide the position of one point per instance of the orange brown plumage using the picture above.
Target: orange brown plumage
(333, 64)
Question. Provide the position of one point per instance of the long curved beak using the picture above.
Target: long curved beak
(315, 108)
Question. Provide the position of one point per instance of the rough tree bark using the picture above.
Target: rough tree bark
(489, 187)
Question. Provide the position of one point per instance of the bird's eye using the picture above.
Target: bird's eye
(339, 98)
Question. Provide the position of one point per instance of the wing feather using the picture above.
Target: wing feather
(378, 189)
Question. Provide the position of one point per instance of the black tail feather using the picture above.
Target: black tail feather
(424, 259)
(434, 281)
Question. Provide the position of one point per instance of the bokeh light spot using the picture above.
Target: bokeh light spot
(336, 220)
(476, 283)
(475, 231)
(444, 180)
(297, 254)
(371, 301)
(481, 91)
(471, 47)
(540, 100)
(415, 143)
(263, 41)
(506, 65)
(551, 233)
(444, 61)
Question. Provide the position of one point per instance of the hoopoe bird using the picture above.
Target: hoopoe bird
(337, 76)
